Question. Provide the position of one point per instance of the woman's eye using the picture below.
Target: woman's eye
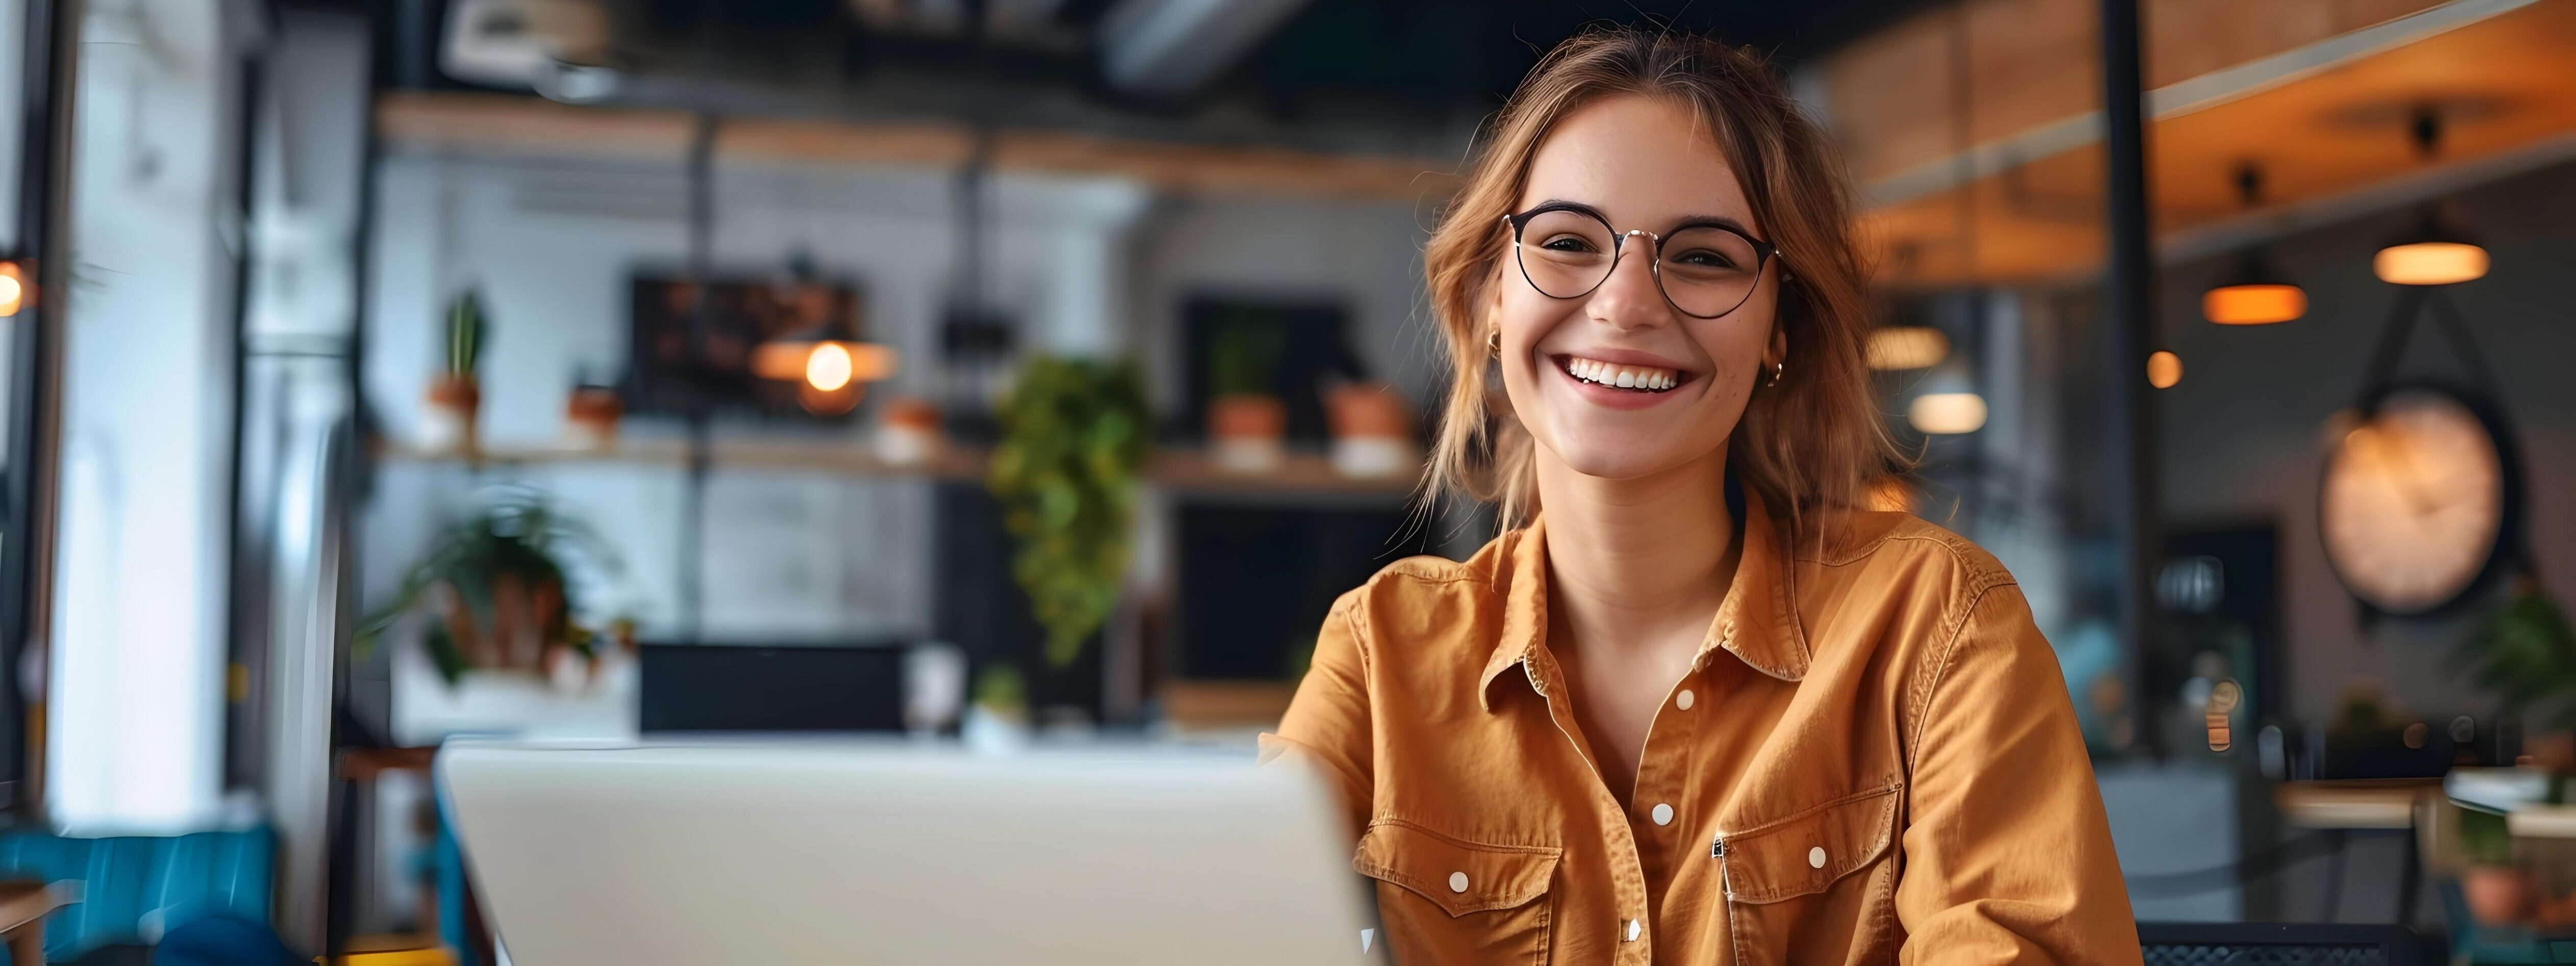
(1703, 258)
(1566, 243)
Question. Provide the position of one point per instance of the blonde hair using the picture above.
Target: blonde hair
(1813, 441)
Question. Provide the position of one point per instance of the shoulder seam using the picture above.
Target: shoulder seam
(1359, 632)
(1928, 686)
(1947, 541)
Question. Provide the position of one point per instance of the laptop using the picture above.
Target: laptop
(894, 852)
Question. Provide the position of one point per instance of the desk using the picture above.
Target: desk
(2341, 808)
(23, 907)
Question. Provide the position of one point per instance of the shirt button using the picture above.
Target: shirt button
(1816, 857)
(1458, 880)
(1683, 700)
(1634, 927)
(1664, 814)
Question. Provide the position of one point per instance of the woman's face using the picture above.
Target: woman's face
(1639, 163)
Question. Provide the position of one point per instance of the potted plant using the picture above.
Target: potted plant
(2524, 652)
(2498, 892)
(447, 417)
(997, 720)
(1073, 443)
(1372, 431)
(1247, 422)
(501, 646)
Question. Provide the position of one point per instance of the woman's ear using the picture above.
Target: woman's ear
(1778, 352)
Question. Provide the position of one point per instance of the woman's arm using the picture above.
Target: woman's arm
(1327, 724)
(2007, 856)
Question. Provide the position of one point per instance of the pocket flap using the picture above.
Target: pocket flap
(1807, 851)
(1457, 875)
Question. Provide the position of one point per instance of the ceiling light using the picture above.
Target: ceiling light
(1907, 347)
(2437, 251)
(2164, 369)
(2256, 294)
(1947, 413)
(13, 289)
(2430, 261)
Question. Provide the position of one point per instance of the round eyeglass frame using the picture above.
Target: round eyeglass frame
(1763, 253)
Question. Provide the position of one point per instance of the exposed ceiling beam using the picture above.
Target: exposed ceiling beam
(1167, 48)
(506, 125)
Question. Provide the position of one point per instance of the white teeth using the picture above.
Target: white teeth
(1624, 377)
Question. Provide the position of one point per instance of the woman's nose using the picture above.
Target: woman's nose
(1631, 297)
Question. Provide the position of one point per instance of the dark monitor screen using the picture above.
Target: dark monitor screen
(738, 687)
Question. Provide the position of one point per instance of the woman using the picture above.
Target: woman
(1692, 706)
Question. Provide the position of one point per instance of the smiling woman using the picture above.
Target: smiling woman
(1704, 708)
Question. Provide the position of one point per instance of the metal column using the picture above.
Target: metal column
(2129, 324)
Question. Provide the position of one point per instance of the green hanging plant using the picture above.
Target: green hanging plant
(1074, 438)
(495, 585)
(2524, 652)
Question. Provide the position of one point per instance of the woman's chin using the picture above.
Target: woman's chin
(1613, 460)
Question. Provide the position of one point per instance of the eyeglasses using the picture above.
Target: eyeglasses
(1705, 271)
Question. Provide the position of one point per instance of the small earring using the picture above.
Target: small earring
(1494, 342)
(1776, 369)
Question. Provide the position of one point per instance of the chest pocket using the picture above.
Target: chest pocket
(1817, 882)
(1443, 899)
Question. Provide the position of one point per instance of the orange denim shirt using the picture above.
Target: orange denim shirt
(1873, 759)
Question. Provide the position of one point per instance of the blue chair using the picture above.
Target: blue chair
(136, 890)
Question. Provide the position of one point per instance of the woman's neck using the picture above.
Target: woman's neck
(1637, 562)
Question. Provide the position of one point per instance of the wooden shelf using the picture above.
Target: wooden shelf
(1194, 473)
(841, 457)
(1182, 472)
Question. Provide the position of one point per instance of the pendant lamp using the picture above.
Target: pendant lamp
(822, 351)
(2255, 294)
(1949, 404)
(2436, 251)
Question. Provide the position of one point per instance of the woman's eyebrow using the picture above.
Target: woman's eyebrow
(1560, 204)
(1722, 221)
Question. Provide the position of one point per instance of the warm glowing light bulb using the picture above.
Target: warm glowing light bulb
(2253, 304)
(828, 367)
(1947, 413)
(12, 291)
(2430, 263)
(2164, 369)
(1907, 347)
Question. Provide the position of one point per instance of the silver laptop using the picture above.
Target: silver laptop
(900, 853)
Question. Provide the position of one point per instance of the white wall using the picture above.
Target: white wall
(134, 712)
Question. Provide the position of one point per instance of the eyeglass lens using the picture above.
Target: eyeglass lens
(1706, 271)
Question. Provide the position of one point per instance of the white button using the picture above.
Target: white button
(1663, 815)
(1458, 880)
(1683, 700)
(1634, 927)
(1816, 857)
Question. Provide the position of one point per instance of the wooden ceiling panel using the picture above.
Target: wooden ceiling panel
(2502, 84)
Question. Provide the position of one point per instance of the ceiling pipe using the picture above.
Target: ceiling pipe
(1169, 48)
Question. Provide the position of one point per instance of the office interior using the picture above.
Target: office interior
(1005, 374)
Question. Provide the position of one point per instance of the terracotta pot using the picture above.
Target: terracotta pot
(1247, 433)
(1372, 431)
(2498, 895)
(447, 417)
(591, 415)
(1368, 409)
(908, 432)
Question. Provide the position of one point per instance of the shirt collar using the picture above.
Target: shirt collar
(1757, 622)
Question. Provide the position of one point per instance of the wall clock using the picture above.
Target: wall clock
(2420, 501)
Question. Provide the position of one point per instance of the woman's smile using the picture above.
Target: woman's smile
(1622, 379)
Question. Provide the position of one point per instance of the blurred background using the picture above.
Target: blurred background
(1024, 371)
